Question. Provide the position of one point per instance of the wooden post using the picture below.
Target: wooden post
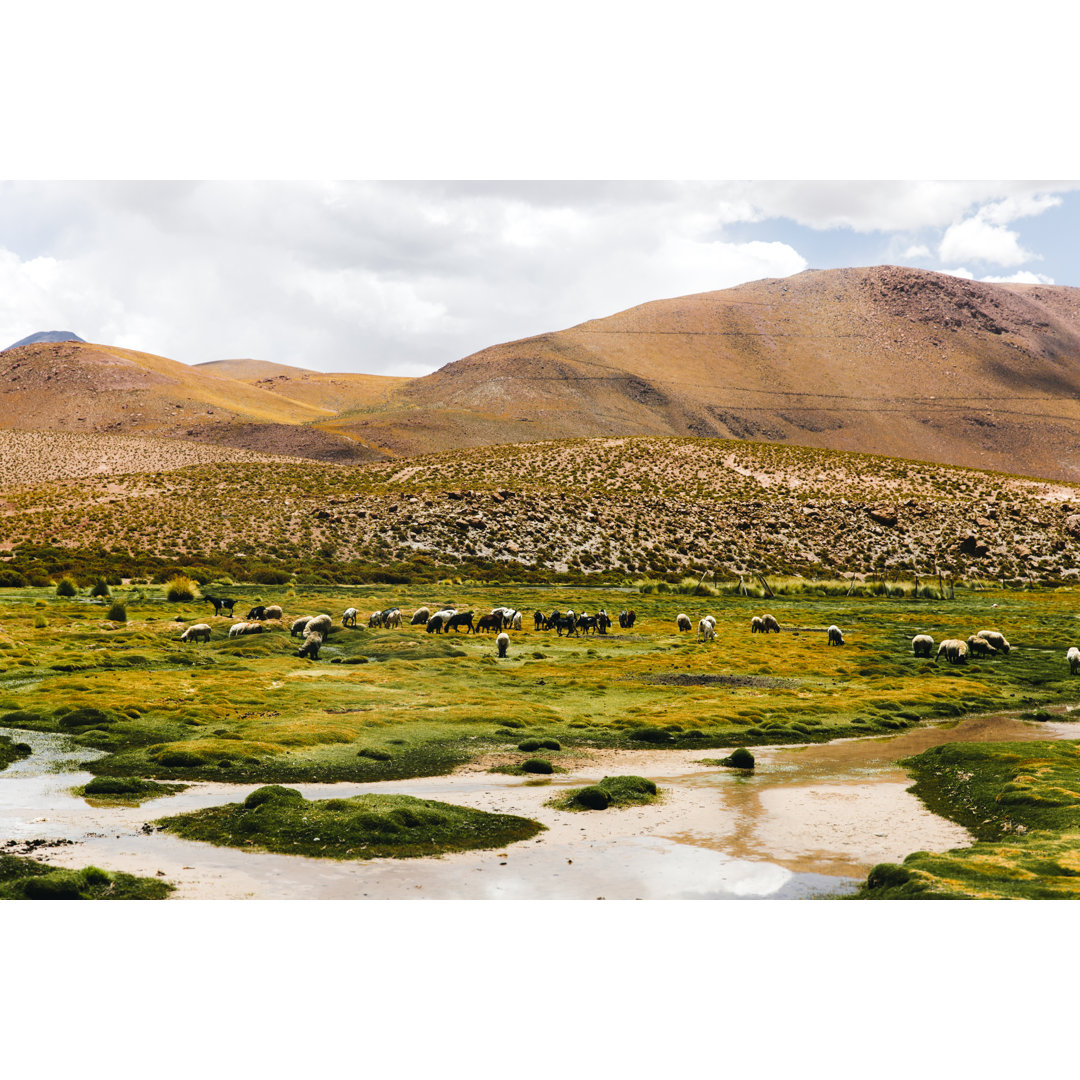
(765, 584)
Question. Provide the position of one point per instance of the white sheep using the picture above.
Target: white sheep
(198, 632)
(922, 645)
(312, 644)
(979, 646)
(300, 625)
(420, 617)
(503, 643)
(955, 650)
(273, 612)
(319, 625)
(995, 639)
(1073, 656)
(770, 625)
(515, 621)
(392, 617)
(682, 621)
(349, 617)
(836, 636)
(241, 628)
(705, 629)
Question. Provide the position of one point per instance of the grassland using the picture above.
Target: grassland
(1021, 801)
(388, 704)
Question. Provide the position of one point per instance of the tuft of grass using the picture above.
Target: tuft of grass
(617, 791)
(740, 758)
(363, 827)
(180, 590)
(118, 612)
(12, 751)
(66, 587)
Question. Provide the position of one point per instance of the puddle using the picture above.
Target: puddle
(810, 822)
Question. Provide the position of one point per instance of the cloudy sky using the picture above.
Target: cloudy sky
(401, 278)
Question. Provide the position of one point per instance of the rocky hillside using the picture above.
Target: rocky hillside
(617, 506)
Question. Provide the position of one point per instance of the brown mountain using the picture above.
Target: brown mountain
(886, 360)
(77, 386)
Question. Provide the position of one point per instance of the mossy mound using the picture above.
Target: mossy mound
(740, 758)
(12, 751)
(125, 790)
(363, 827)
(617, 791)
(28, 879)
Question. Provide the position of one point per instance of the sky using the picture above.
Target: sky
(402, 277)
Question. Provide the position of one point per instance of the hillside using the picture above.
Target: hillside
(95, 389)
(617, 506)
(886, 360)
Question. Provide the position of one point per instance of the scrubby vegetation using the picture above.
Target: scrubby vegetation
(696, 517)
(28, 879)
(280, 819)
(1022, 803)
(617, 791)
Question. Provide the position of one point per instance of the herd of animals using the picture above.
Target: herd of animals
(314, 629)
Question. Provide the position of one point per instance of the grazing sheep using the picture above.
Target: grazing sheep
(487, 622)
(313, 642)
(756, 625)
(461, 618)
(438, 622)
(771, 626)
(392, 617)
(603, 621)
(258, 612)
(198, 632)
(241, 628)
(300, 625)
(273, 612)
(995, 639)
(979, 646)
(349, 618)
(503, 643)
(626, 619)
(922, 645)
(538, 620)
(836, 636)
(220, 603)
(682, 621)
(375, 620)
(321, 624)
(1073, 656)
(705, 630)
(515, 622)
(955, 650)
(420, 617)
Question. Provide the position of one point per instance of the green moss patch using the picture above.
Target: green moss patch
(28, 879)
(12, 751)
(364, 827)
(617, 791)
(124, 790)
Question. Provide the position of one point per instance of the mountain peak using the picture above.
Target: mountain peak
(46, 336)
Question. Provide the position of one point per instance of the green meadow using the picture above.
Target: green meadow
(397, 703)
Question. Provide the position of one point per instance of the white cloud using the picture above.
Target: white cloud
(960, 271)
(917, 251)
(1022, 277)
(979, 240)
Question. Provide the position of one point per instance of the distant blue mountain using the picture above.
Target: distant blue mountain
(46, 335)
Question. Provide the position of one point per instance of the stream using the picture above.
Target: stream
(808, 823)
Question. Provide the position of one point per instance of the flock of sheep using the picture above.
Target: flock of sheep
(314, 629)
